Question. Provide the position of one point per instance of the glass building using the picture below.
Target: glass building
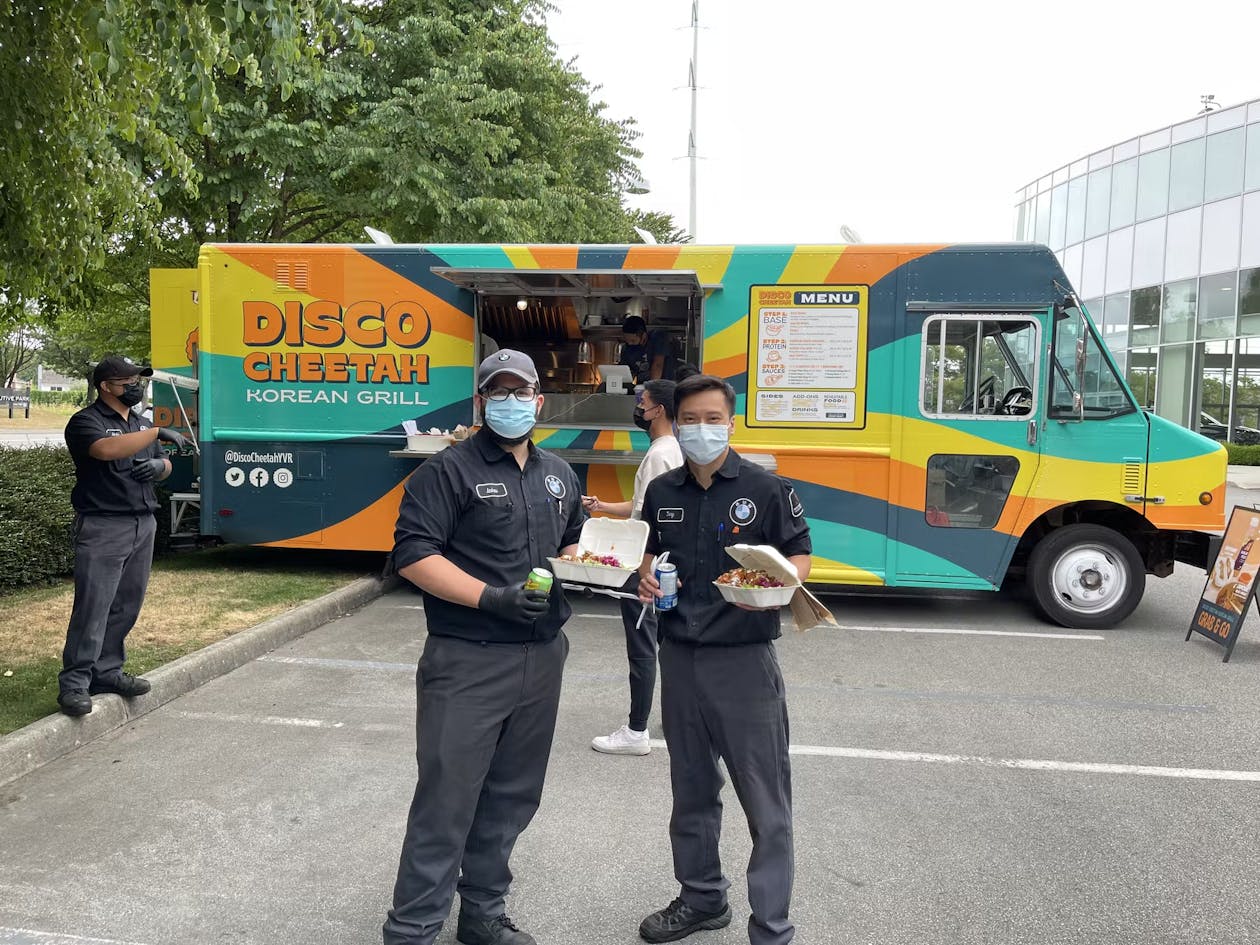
(1160, 235)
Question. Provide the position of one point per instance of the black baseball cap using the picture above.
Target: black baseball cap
(116, 366)
(507, 361)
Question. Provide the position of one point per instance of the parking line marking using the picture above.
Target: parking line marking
(964, 631)
(259, 720)
(339, 663)
(9, 936)
(1019, 764)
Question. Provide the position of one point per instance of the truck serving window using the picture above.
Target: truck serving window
(1103, 393)
(979, 366)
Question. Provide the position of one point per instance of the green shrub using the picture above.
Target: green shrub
(1243, 455)
(36, 518)
(59, 398)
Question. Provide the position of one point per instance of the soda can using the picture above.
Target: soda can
(539, 580)
(667, 578)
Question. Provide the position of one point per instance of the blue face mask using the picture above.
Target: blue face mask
(511, 419)
(702, 443)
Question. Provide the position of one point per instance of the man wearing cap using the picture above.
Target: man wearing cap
(116, 461)
(474, 520)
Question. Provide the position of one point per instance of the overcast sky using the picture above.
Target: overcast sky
(909, 121)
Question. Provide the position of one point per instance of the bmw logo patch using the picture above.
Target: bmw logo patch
(504, 356)
(743, 511)
(555, 486)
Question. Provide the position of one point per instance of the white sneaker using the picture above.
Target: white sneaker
(624, 741)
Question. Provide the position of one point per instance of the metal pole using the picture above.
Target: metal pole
(691, 137)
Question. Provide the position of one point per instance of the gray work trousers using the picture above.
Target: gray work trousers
(640, 653)
(112, 558)
(485, 716)
(728, 702)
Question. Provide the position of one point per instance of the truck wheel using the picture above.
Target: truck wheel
(1086, 577)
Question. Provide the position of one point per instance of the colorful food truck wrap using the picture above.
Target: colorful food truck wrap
(947, 415)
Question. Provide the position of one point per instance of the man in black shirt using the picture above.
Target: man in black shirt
(116, 461)
(722, 693)
(473, 521)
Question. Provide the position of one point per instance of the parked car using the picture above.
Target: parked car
(1243, 436)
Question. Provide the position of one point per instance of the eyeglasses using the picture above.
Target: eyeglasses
(500, 394)
(128, 381)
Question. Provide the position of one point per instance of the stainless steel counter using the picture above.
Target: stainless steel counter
(602, 411)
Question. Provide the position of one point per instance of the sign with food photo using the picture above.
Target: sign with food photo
(1231, 582)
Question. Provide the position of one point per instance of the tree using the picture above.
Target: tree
(19, 347)
(663, 227)
(81, 80)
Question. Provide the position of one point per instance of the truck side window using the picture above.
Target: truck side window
(965, 491)
(1103, 392)
(979, 366)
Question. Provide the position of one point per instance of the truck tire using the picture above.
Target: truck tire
(1087, 577)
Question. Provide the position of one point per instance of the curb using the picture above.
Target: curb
(35, 745)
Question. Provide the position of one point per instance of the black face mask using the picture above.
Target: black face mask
(132, 394)
(640, 421)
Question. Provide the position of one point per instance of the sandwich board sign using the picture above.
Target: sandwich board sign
(1231, 582)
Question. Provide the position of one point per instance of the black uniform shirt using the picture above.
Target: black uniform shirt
(475, 506)
(105, 487)
(745, 505)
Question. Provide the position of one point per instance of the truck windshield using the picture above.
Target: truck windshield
(1103, 392)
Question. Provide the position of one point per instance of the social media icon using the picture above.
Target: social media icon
(258, 477)
(235, 476)
(283, 477)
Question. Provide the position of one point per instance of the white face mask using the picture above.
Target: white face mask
(702, 443)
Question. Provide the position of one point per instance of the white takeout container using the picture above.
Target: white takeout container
(761, 558)
(624, 538)
(427, 442)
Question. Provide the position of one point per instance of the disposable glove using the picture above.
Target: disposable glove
(514, 602)
(145, 470)
(168, 435)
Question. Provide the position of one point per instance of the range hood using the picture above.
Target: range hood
(576, 283)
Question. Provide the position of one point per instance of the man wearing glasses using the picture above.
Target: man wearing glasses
(473, 521)
(116, 461)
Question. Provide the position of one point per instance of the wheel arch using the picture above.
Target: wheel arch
(1119, 518)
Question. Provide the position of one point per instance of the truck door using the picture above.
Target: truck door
(976, 437)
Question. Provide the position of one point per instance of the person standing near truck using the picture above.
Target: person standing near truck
(646, 353)
(722, 693)
(474, 520)
(116, 461)
(655, 414)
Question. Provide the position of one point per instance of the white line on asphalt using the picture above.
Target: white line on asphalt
(259, 720)
(1025, 764)
(10, 936)
(340, 664)
(978, 633)
(597, 616)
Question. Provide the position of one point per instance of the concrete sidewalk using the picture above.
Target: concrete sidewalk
(1244, 477)
(25, 438)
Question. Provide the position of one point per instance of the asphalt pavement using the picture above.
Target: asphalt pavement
(963, 773)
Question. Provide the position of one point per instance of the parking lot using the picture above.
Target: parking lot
(962, 773)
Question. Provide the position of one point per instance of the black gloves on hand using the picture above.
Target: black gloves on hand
(168, 435)
(144, 470)
(514, 602)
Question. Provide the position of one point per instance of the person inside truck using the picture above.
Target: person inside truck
(646, 353)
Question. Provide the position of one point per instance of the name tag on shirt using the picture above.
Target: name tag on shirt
(491, 490)
(666, 516)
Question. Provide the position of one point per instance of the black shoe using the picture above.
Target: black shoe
(497, 931)
(75, 702)
(678, 920)
(126, 686)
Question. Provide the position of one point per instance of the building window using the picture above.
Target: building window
(1058, 217)
(1094, 267)
(1142, 374)
(1224, 165)
(1185, 178)
(1175, 396)
(1252, 181)
(1220, 235)
(1148, 252)
(1249, 305)
(1250, 255)
(1124, 193)
(979, 367)
(1218, 305)
(1098, 202)
(1180, 300)
(1076, 210)
(1144, 308)
(1042, 233)
(1181, 255)
(1119, 259)
(1152, 197)
(1115, 322)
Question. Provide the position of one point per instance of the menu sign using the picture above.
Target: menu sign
(1231, 582)
(808, 356)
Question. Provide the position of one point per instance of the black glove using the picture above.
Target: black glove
(514, 602)
(144, 470)
(167, 435)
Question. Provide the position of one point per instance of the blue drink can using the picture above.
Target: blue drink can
(667, 578)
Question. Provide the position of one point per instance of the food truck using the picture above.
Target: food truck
(947, 414)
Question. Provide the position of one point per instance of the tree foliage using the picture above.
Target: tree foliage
(80, 80)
